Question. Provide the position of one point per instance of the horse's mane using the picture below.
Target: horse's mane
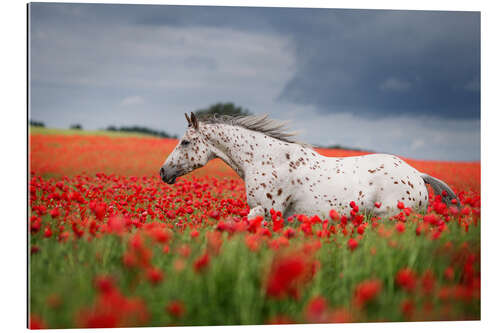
(260, 123)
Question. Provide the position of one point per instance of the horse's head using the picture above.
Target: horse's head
(192, 152)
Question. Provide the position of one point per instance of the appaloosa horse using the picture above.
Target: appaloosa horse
(290, 177)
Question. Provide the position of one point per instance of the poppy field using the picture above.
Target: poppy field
(111, 245)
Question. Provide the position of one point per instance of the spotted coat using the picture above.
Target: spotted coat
(293, 178)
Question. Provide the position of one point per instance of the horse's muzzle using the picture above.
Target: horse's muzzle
(168, 176)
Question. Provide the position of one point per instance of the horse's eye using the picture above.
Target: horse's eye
(184, 142)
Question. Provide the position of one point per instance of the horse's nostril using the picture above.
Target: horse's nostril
(162, 172)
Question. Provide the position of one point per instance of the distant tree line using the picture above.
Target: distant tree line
(228, 109)
(36, 123)
(218, 109)
(343, 148)
(141, 129)
(221, 109)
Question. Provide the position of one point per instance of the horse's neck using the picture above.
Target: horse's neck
(245, 150)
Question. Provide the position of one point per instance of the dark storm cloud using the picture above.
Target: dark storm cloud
(391, 62)
(368, 62)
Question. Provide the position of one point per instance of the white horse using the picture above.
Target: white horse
(291, 177)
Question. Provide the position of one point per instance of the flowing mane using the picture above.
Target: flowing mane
(260, 123)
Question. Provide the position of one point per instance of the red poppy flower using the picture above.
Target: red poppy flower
(317, 310)
(366, 292)
(36, 323)
(427, 282)
(288, 273)
(176, 308)
(201, 263)
(155, 275)
(406, 279)
(407, 308)
(352, 244)
(334, 215)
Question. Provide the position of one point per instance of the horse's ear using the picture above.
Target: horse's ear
(194, 121)
(187, 118)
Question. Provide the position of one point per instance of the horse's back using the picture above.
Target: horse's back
(382, 178)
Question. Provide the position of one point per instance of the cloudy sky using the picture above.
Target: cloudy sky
(402, 82)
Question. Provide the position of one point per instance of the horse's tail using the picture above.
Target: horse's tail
(438, 186)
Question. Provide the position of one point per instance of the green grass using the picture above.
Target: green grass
(230, 291)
